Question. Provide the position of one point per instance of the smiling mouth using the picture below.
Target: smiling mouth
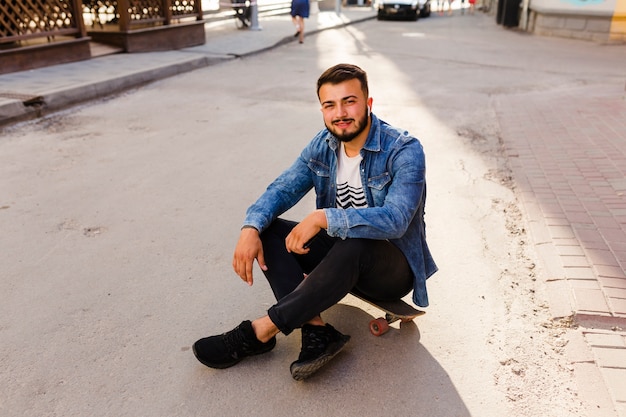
(343, 122)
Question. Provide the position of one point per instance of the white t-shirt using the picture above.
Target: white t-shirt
(349, 186)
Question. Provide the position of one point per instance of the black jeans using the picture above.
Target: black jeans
(334, 267)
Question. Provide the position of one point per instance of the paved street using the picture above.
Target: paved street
(119, 216)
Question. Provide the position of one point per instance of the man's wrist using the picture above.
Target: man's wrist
(248, 226)
(322, 219)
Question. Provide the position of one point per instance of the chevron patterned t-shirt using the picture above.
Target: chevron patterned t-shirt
(349, 186)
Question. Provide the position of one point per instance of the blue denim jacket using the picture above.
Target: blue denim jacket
(393, 175)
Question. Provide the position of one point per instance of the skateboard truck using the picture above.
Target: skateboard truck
(380, 326)
(396, 310)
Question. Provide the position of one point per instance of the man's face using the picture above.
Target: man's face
(345, 109)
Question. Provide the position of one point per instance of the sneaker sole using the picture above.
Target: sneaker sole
(303, 370)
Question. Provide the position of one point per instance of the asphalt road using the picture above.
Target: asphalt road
(122, 215)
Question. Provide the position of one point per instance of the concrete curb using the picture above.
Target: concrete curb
(62, 97)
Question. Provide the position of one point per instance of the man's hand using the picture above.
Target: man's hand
(305, 231)
(249, 248)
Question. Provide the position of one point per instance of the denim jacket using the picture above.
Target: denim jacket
(393, 175)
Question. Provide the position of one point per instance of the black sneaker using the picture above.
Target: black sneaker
(228, 349)
(319, 345)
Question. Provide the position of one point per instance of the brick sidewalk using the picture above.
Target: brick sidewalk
(567, 151)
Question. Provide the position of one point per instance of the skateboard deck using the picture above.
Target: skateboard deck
(396, 310)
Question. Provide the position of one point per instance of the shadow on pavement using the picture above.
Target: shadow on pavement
(394, 373)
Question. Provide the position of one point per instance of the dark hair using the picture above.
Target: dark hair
(343, 72)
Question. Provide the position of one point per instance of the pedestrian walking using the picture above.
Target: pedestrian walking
(366, 234)
(440, 5)
(300, 10)
(472, 6)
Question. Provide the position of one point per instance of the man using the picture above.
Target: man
(367, 233)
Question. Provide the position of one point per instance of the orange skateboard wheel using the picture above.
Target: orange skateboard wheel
(379, 326)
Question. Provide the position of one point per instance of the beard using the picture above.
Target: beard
(347, 136)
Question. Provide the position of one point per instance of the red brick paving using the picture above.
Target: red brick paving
(567, 151)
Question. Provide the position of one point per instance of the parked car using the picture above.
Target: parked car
(403, 9)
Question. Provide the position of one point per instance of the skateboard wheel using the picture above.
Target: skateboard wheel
(379, 326)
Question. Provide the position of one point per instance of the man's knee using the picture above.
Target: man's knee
(278, 229)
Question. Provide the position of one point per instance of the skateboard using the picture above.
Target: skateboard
(396, 310)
